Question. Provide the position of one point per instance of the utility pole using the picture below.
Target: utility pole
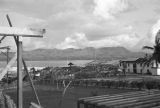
(19, 73)
(40, 32)
(19, 33)
(7, 61)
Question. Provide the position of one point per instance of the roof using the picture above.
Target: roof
(129, 60)
(97, 62)
(135, 60)
(141, 60)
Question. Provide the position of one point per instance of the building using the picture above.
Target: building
(139, 66)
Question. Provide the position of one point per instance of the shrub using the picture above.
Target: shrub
(149, 84)
(140, 85)
(109, 83)
(94, 93)
(133, 84)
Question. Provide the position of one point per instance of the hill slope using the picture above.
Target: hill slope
(81, 54)
(89, 53)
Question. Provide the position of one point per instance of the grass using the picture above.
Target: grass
(50, 98)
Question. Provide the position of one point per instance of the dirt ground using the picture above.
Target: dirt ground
(50, 98)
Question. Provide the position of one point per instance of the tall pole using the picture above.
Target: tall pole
(7, 55)
(24, 64)
(7, 62)
(19, 73)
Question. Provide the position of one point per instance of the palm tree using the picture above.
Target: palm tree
(70, 66)
(156, 50)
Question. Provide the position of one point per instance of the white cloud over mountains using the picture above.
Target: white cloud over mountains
(79, 40)
(84, 23)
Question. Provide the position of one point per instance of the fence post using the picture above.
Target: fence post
(78, 104)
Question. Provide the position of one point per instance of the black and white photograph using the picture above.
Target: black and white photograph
(79, 53)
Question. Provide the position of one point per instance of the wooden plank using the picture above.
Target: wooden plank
(25, 32)
(148, 105)
(139, 103)
(124, 101)
(156, 106)
(128, 100)
(34, 105)
(30, 80)
(104, 96)
(140, 99)
(5, 47)
(116, 99)
(119, 96)
(9, 65)
(19, 74)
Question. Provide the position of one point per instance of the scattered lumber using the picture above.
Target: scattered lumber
(137, 99)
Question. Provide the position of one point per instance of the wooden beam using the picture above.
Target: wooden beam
(2, 38)
(10, 24)
(78, 104)
(34, 105)
(9, 65)
(24, 64)
(31, 82)
(5, 47)
(25, 32)
(19, 74)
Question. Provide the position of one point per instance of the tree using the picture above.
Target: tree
(70, 65)
(156, 50)
(34, 72)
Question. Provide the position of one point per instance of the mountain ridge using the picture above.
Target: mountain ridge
(88, 53)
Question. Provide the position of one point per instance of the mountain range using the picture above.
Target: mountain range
(89, 53)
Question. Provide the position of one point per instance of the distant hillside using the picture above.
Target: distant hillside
(89, 53)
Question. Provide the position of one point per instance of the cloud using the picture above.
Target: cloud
(108, 8)
(79, 40)
(82, 23)
(64, 19)
(34, 45)
(20, 20)
(149, 39)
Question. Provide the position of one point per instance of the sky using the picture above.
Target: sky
(84, 23)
